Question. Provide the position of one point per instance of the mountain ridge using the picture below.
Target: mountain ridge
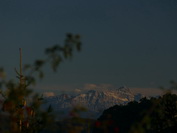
(93, 100)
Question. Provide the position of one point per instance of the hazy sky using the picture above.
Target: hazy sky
(125, 42)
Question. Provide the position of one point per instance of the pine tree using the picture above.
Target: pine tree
(20, 110)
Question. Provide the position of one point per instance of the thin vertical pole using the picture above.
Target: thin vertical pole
(21, 75)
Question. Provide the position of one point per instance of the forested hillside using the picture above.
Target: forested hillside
(155, 115)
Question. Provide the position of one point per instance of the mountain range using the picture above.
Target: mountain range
(93, 100)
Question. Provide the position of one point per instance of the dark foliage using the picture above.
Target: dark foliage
(155, 115)
(20, 110)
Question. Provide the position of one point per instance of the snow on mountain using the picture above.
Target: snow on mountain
(93, 100)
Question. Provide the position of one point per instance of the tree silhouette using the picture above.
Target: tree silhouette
(20, 110)
(155, 115)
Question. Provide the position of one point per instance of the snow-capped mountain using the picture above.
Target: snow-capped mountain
(93, 100)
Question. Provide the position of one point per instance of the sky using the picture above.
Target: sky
(125, 42)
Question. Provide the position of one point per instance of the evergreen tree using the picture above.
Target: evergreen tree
(20, 110)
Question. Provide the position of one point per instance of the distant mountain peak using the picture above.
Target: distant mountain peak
(94, 100)
(124, 89)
